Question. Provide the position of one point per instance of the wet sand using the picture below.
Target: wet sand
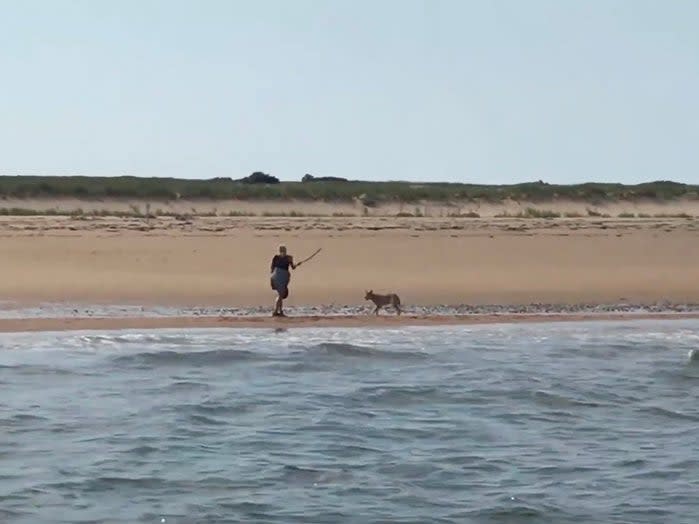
(365, 321)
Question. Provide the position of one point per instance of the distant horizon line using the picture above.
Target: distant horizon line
(350, 180)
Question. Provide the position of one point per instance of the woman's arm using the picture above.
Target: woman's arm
(291, 262)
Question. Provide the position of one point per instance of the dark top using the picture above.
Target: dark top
(281, 261)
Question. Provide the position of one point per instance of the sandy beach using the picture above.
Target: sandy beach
(428, 261)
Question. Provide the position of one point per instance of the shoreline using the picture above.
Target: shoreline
(27, 325)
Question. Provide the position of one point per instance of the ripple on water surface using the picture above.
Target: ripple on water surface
(587, 422)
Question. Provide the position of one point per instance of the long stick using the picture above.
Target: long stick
(308, 258)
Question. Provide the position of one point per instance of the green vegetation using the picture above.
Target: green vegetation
(290, 214)
(672, 215)
(371, 193)
(134, 212)
(469, 214)
(531, 212)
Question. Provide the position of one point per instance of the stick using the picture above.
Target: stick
(307, 259)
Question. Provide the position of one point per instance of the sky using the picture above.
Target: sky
(490, 91)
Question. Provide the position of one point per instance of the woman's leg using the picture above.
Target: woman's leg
(278, 306)
(280, 283)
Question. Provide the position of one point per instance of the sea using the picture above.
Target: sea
(580, 422)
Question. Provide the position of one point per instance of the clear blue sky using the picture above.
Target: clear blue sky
(489, 91)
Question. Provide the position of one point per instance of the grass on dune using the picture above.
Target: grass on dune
(370, 193)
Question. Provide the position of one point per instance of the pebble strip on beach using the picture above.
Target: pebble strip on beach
(8, 311)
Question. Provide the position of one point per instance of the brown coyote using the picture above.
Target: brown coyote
(383, 300)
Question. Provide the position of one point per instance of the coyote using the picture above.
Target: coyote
(383, 300)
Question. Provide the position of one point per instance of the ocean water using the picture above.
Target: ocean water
(579, 422)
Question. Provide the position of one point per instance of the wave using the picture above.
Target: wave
(301, 475)
(399, 395)
(186, 358)
(188, 385)
(210, 408)
(126, 339)
(43, 370)
(117, 483)
(143, 450)
(205, 420)
(634, 464)
(354, 350)
(556, 400)
(195, 417)
(514, 509)
(669, 413)
(6, 515)
(521, 513)
(20, 420)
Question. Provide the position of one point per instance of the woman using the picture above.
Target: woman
(280, 278)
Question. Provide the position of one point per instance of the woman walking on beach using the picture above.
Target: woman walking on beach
(280, 278)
